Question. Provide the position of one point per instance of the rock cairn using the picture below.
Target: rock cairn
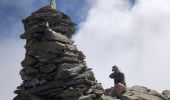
(53, 68)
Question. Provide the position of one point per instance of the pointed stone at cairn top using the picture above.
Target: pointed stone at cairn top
(53, 4)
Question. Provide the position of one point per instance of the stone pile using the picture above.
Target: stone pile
(53, 68)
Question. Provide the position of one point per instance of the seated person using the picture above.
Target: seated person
(119, 82)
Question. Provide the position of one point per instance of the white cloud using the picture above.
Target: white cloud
(136, 39)
(11, 54)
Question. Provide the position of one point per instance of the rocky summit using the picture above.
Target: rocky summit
(53, 68)
(139, 93)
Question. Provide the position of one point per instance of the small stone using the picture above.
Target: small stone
(69, 70)
(71, 48)
(70, 65)
(39, 48)
(51, 35)
(26, 77)
(30, 70)
(43, 81)
(65, 59)
(47, 68)
(29, 61)
(85, 98)
(45, 57)
(31, 83)
(166, 93)
(35, 97)
(81, 56)
(89, 75)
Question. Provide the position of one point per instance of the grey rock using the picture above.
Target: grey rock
(68, 59)
(65, 59)
(39, 64)
(89, 75)
(71, 48)
(47, 92)
(85, 98)
(70, 65)
(141, 93)
(31, 83)
(43, 81)
(68, 93)
(29, 70)
(104, 97)
(96, 89)
(47, 68)
(55, 84)
(28, 61)
(52, 35)
(35, 97)
(70, 54)
(39, 48)
(67, 71)
(137, 93)
(81, 56)
(88, 97)
(45, 57)
(25, 77)
(21, 97)
(166, 93)
(39, 27)
(53, 4)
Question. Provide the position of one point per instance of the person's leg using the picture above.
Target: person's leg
(113, 91)
(120, 90)
(123, 88)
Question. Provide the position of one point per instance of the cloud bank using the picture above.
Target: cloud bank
(134, 38)
(11, 54)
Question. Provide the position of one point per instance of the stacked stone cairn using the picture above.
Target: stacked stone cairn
(53, 68)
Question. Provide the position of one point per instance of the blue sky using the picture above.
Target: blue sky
(12, 12)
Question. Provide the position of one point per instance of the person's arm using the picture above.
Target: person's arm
(111, 75)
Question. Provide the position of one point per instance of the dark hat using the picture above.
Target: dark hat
(114, 68)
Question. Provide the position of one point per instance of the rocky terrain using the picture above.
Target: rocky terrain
(140, 93)
(54, 69)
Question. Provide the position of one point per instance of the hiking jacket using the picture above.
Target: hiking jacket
(118, 77)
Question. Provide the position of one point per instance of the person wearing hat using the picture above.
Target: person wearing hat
(119, 82)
